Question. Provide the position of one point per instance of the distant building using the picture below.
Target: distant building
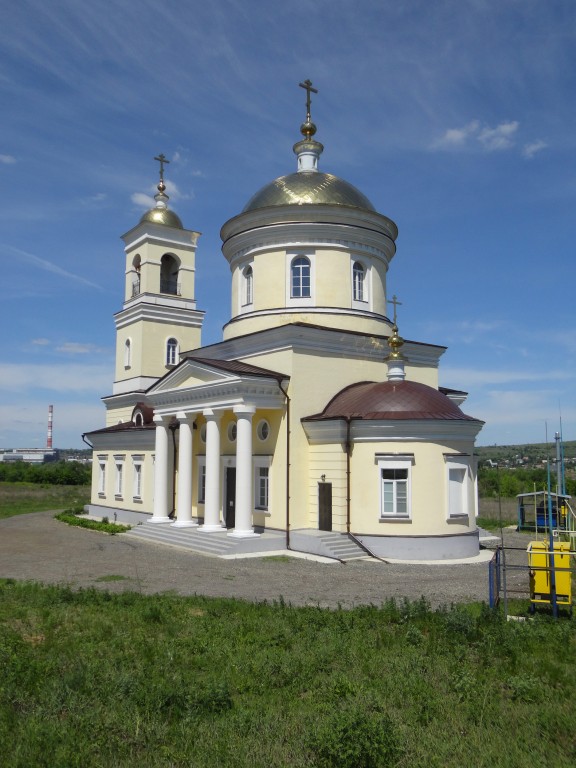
(313, 414)
(29, 455)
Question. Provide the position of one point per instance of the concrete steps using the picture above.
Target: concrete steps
(327, 544)
(215, 543)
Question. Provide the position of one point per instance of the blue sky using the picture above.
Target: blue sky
(457, 118)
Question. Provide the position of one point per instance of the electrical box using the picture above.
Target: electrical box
(540, 573)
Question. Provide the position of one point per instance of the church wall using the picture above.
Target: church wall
(119, 415)
(429, 499)
(125, 494)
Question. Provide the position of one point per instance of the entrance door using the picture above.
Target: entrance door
(325, 506)
(230, 509)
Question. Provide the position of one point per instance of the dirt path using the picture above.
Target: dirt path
(37, 547)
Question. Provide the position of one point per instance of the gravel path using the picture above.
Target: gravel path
(36, 547)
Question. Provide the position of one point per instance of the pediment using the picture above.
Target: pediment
(188, 374)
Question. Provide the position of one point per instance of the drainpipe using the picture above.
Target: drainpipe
(348, 449)
(285, 393)
(88, 443)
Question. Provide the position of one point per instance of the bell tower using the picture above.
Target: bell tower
(159, 318)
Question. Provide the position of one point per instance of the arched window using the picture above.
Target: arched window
(300, 278)
(358, 275)
(169, 275)
(136, 264)
(248, 285)
(171, 352)
(127, 353)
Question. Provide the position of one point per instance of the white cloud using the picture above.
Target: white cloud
(40, 342)
(529, 150)
(67, 378)
(489, 139)
(457, 137)
(7, 159)
(500, 137)
(75, 348)
(142, 200)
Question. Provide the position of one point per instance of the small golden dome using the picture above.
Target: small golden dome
(162, 216)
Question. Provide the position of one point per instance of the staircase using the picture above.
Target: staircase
(215, 543)
(327, 543)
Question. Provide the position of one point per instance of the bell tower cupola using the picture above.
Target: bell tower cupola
(159, 318)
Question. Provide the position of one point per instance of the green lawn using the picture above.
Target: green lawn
(21, 498)
(97, 679)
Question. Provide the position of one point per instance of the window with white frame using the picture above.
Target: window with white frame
(395, 487)
(137, 477)
(261, 482)
(300, 278)
(457, 485)
(201, 479)
(248, 294)
(102, 475)
(263, 430)
(171, 351)
(358, 282)
(119, 480)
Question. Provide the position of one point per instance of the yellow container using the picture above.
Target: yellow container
(539, 563)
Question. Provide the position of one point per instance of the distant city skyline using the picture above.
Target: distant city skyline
(455, 119)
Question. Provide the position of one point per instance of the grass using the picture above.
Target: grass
(22, 498)
(489, 512)
(91, 678)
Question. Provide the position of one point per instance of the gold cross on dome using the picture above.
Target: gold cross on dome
(162, 160)
(307, 85)
(396, 303)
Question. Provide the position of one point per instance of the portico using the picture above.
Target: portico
(224, 396)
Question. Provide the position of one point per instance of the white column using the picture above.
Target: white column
(212, 490)
(243, 527)
(161, 507)
(184, 503)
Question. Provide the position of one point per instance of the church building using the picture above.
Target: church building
(312, 418)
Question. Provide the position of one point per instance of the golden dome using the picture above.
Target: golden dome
(162, 216)
(308, 187)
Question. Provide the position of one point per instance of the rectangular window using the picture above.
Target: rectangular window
(119, 482)
(262, 488)
(137, 481)
(101, 476)
(457, 486)
(395, 490)
(262, 482)
(119, 478)
(201, 480)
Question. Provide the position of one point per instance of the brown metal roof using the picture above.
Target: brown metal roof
(390, 400)
(236, 366)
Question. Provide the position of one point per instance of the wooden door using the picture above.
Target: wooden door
(230, 500)
(325, 506)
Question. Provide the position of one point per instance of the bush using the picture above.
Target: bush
(70, 516)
